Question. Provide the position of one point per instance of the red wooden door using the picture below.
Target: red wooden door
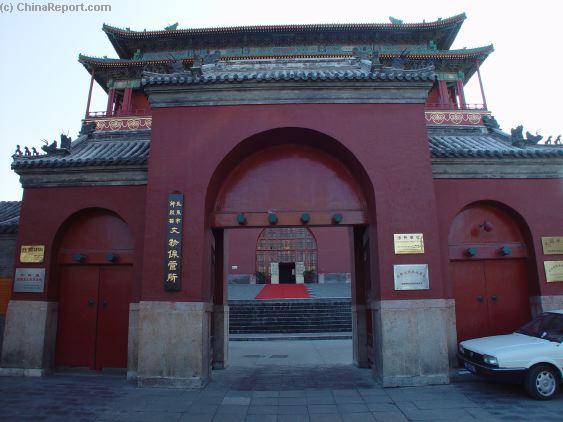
(113, 316)
(507, 295)
(470, 303)
(78, 300)
(491, 297)
(93, 316)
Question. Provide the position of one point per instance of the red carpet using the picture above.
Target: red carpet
(283, 291)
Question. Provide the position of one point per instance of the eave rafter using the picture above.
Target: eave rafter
(126, 41)
(466, 59)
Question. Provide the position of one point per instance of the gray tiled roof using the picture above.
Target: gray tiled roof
(275, 76)
(108, 152)
(302, 69)
(486, 146)
(92, 153)
(9, 216)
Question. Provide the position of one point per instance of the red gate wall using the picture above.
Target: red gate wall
(384, 145)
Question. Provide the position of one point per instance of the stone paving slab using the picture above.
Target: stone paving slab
(351, 395)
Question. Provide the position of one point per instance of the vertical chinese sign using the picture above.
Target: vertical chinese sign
(173, 257)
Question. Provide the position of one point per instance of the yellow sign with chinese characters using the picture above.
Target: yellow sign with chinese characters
(553, 271)
(552, 245)
(32, 253)
(408, 243)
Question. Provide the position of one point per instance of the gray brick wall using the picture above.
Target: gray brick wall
(7, 253)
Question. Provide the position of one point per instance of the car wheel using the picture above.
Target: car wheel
(542, 382)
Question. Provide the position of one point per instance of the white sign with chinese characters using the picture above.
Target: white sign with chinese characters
(411, 277)
(29, 280)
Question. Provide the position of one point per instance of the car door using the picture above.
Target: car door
(555, 332)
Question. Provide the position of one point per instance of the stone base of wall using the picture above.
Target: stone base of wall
(2, 320)
(133, 342)
(220, 336)
(359, 336)
(413, 341)
(174, 344)
(539, 304)
(23, 372)
(29, 338)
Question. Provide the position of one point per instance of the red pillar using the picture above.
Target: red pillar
(444, 96)
(126, 107)
(111, 99)
(461, 94)
(481, 86)
(90, 94)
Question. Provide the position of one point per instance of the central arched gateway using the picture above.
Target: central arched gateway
(286, 180)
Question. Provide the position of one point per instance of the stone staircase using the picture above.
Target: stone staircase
(290, 316)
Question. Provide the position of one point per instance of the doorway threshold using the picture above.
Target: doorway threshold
(290, 336)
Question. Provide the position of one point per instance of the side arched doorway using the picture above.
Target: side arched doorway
(489, 260)
(95, 277)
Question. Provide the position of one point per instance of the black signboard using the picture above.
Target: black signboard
(173, 256)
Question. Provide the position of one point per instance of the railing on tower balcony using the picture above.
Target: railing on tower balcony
(119, 113)
(138, 119)
(438, 106)
(455, 115)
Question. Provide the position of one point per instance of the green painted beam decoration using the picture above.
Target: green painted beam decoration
(272, 218)
(337, 218)
(471, 252)
(505, 250)
(241, 218)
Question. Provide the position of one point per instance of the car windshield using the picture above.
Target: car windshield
(548, 326)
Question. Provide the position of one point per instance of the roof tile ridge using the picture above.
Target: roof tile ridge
(384, 25)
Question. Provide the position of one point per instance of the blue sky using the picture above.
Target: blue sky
(43, 89)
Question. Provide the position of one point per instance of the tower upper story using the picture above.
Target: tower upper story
(385, 63)
(397, 45)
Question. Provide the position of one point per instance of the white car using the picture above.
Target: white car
(532, 355)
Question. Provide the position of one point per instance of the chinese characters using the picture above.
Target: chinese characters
(173, 256)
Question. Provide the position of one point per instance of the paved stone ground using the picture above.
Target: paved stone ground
(297, 353)
(263, 385)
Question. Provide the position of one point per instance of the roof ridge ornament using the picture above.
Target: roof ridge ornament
(517, 138)
(49, 149)
(490, 121)
(556, 142)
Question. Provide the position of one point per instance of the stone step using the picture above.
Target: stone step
(292, 315)
(286, 319)
(290, 329)
(344, 335)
